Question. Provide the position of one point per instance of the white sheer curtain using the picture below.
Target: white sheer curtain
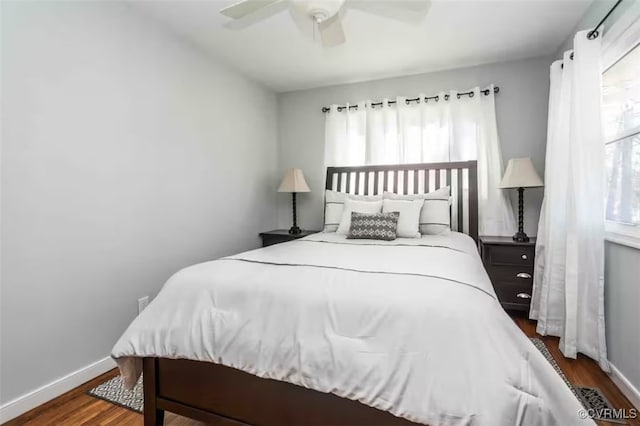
(568, 294)
(347, 130)
(458, 129)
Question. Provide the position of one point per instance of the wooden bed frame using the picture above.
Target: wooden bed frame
(224, 396)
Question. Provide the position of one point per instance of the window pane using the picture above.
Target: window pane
(621, 95)
(623, 180)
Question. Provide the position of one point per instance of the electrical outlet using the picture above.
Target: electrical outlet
(142, 303)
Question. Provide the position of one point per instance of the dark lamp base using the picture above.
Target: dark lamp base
(294, 230)
(520, 236)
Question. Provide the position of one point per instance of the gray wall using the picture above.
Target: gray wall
(622, 263)
(122, 148)
(622, 300)
(521, 108)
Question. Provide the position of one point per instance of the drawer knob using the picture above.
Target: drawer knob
(523, 275)
(524, 257)
(523, 296)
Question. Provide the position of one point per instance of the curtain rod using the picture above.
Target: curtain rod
(485, 92)
(594, 33)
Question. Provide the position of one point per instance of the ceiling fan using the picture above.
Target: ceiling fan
(325, 16)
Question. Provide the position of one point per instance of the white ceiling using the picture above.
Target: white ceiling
(454, 34)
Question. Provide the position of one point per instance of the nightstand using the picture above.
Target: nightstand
(510, 267)
(281, 235)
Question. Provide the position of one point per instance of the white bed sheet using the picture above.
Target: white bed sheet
(410, 326)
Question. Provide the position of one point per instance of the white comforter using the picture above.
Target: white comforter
(410, 326)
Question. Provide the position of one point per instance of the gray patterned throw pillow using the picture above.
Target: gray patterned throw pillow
(377, 226)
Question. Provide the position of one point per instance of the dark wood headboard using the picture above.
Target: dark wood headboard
(461, 176)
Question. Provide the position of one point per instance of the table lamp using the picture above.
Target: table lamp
(293, 182)
(520, 174)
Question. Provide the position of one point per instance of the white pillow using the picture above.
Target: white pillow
(409, 220)
(444, 191)
(357, 206)
(334, 207)
(435, 216)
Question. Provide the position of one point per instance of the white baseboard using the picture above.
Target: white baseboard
(31, 400)
(626, 387)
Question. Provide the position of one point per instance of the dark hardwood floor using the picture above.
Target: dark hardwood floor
(77, 408)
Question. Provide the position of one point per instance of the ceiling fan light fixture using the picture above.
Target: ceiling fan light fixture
(318, 15)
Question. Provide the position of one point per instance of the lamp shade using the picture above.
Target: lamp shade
(293, 181)
(520, 173)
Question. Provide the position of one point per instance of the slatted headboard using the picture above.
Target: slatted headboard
(462, 177)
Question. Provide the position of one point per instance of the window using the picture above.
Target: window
(621, 127)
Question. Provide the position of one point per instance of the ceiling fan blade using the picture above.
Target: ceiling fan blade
(409, 11)
(304, 22)
(257, 16)
(331, 31)
(245, 7)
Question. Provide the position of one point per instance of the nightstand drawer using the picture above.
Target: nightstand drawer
(510, 255)
(510, 273)
(514, 295)
(510, 267)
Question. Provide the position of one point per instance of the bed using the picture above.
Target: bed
(329, 331)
